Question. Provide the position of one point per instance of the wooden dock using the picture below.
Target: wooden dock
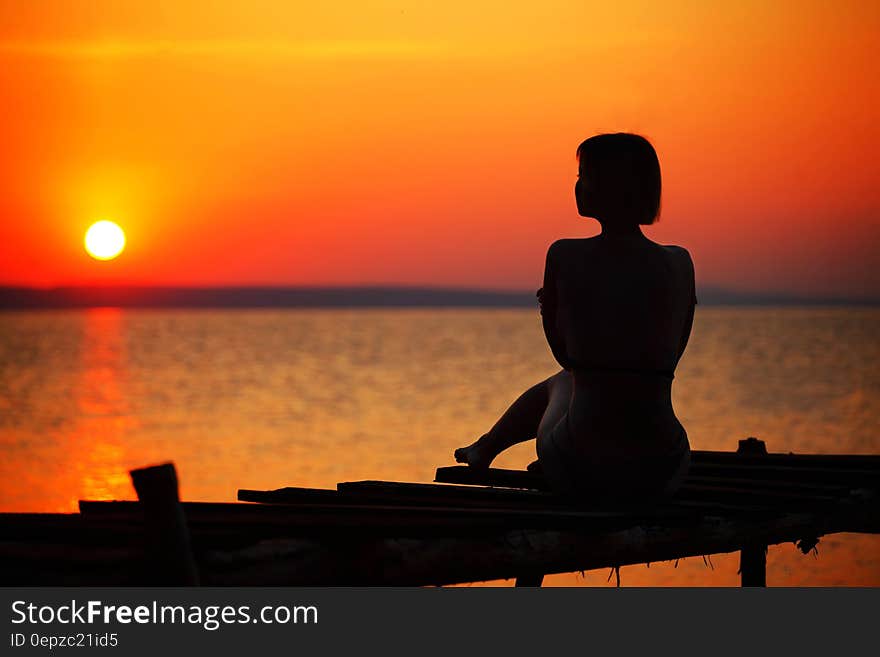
(469, 525)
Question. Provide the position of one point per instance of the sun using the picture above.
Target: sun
(104, 240)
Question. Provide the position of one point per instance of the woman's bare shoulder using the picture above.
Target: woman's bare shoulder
(680, 253)
(568, 247)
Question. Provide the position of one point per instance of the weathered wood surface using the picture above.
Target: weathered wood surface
(751, 495)
(359, 559)
(169, 554)
(805, 470)
(500, 525)
(753, 555)
(753, 565)
(401, 561)
(270, 520)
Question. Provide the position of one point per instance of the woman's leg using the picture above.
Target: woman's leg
(520, 422)
(558, 403)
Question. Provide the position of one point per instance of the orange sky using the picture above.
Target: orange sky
(356, 142)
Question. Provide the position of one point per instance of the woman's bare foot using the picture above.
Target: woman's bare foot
(475, 455)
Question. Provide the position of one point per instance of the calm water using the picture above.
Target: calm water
(264, 399)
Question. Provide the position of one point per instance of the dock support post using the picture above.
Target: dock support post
(535, 579)
(169, 553)
(753, 565)
(753, 557)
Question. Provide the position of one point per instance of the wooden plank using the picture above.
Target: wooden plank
(836, 461)
(290, 495)
(416, 562)
(277, 519)
(69, 563)
(521, 479)
(803, 474)
(758, 495)
(401, 492)
(833, 489)
(368, 492)
(449, 492)
(71, 528)
(463, 474)
(715, 508)
(511, 499)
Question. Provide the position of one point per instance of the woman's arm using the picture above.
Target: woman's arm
(689, 319)
(548, 299)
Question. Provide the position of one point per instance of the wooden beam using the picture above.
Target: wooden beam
(169, 553)
(418, 491)
(378, 517)
(353, 557)
(803, 473)
(715, 490)
(753, 555)
(508, 555)
(289, 495)
(463, 474)
(531, 580)
(840, 461)
(753, 565)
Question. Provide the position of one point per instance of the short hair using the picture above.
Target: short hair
(628, 173)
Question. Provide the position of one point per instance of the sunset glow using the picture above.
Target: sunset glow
(433, 143)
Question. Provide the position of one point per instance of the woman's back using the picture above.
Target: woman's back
(619, 313)
(622, 304)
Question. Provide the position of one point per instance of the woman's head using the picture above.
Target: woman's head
(618, 179)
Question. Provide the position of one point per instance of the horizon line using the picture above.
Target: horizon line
(14, 297)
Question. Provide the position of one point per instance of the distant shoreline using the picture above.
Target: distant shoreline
(25, 298)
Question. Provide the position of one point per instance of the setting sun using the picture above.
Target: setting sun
(104, 240)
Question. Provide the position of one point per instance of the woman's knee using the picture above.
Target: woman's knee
(544, 390)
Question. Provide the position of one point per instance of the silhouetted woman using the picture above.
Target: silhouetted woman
(617, 311)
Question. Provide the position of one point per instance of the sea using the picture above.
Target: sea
(264, 399)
